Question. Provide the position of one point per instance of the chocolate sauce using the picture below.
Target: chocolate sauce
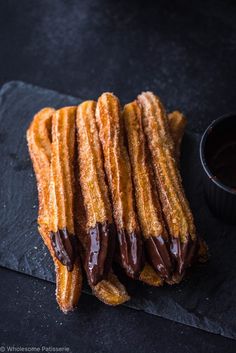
(183, 252)
(131, 252)
(157, 249)
(65, 247)
(99, 252)
(223, 163)
(220, 151)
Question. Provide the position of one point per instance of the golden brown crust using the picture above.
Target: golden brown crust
(118, 171)
(149, 276)
(39, 144)
(39, 141)
(110, 290)
(62, 186)
(68, 283)
(177, 124)
(176, 210)
(147, 199)
(117, 165)
(91, 168)
(61, 173)
(175, 206)
(100, 227)
(54, 168)
(148, 206)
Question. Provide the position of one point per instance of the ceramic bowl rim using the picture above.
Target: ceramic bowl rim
(204, 163)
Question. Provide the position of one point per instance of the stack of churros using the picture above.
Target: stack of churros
(110, 191)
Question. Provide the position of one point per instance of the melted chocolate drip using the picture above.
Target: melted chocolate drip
(100, 249)
(131, 252)
(158, 250)
(65, 247)
(184, 253)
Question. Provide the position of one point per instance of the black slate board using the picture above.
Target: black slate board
(206, 300)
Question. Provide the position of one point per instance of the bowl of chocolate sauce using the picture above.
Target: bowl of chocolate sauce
(218, 158)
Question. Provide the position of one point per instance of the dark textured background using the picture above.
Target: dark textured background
(186, 53)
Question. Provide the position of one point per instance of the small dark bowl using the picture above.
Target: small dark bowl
(218, 155)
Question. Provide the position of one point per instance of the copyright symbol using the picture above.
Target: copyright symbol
(2, 349)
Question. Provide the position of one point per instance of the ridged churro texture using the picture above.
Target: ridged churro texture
(110, 290)
(39, 144)
(147, 199)
(100, 228)
(80, 208)
(150, 276)
(176, 210)
(118, 171)
(68, 284)
(62, 186)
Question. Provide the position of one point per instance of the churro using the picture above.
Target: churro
(118, 172)
(110, 290)
(68, 283)
(107, 176)
(176, 210)
(147, 199)
(100, 227)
